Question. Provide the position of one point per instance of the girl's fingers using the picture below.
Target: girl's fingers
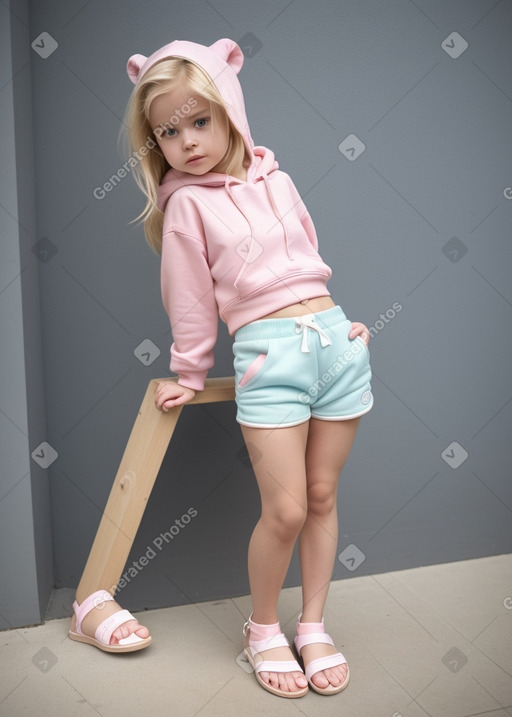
(170, 395)
(361, 330)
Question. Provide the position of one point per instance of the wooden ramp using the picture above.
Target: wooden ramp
(142, 458)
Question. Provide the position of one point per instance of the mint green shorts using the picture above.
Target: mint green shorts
(289, 370)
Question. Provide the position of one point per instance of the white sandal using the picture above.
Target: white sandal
(322, 663)
(105, 629)
(259, 664)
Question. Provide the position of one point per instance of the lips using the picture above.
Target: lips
(192, 159)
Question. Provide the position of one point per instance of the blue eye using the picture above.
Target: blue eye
(202, 122)
(170, 132)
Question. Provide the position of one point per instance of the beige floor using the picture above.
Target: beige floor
(431, 641)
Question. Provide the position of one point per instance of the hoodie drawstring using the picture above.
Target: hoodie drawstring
(272, 204)
(276, 212)
(232, 197)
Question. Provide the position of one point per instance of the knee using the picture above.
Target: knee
(285, 521)
(321, 500)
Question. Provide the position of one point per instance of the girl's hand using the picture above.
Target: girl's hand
(169, 394)
(361, 330)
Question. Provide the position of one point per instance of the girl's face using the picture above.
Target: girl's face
(185, 131)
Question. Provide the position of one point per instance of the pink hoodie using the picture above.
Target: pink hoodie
(231, 248)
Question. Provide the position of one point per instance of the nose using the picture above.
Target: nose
(189, 140)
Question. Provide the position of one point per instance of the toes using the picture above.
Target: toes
(340, 673)
(127, 629)
(334, 676)
(265, 676)
(117, 635)
(285, 681)
(343, 672)
(272, 679)
(281, 681)
(300, 681)
(320, 680)
(291, 681)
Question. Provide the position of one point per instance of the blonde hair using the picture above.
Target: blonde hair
(138, 138)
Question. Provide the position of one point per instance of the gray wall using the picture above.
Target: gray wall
(26, 568)
(419, 221)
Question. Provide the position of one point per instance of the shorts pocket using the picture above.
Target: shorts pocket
(252, 369)
(251, 361)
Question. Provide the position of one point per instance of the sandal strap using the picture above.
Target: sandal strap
(107, 627)
(312, 626)
(311, 639)
(324, 663)
(277, 666)
(91, 602)
(258, 646)
(268, 643)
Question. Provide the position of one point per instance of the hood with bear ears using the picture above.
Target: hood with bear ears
(222, 61)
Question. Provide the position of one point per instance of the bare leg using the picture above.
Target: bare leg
(328, 447)
(278, 458)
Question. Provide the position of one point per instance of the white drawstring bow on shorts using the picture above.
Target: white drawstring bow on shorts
(303, 323)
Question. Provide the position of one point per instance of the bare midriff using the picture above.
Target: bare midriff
(308, 306)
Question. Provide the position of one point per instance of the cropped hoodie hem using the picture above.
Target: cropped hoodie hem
(273, 298)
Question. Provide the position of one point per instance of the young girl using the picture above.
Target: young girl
(237, 242)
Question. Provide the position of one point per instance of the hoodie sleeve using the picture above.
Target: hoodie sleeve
(302, 213)
(188, 298)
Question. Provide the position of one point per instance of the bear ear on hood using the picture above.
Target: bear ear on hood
(133, 67)
(230, 52)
